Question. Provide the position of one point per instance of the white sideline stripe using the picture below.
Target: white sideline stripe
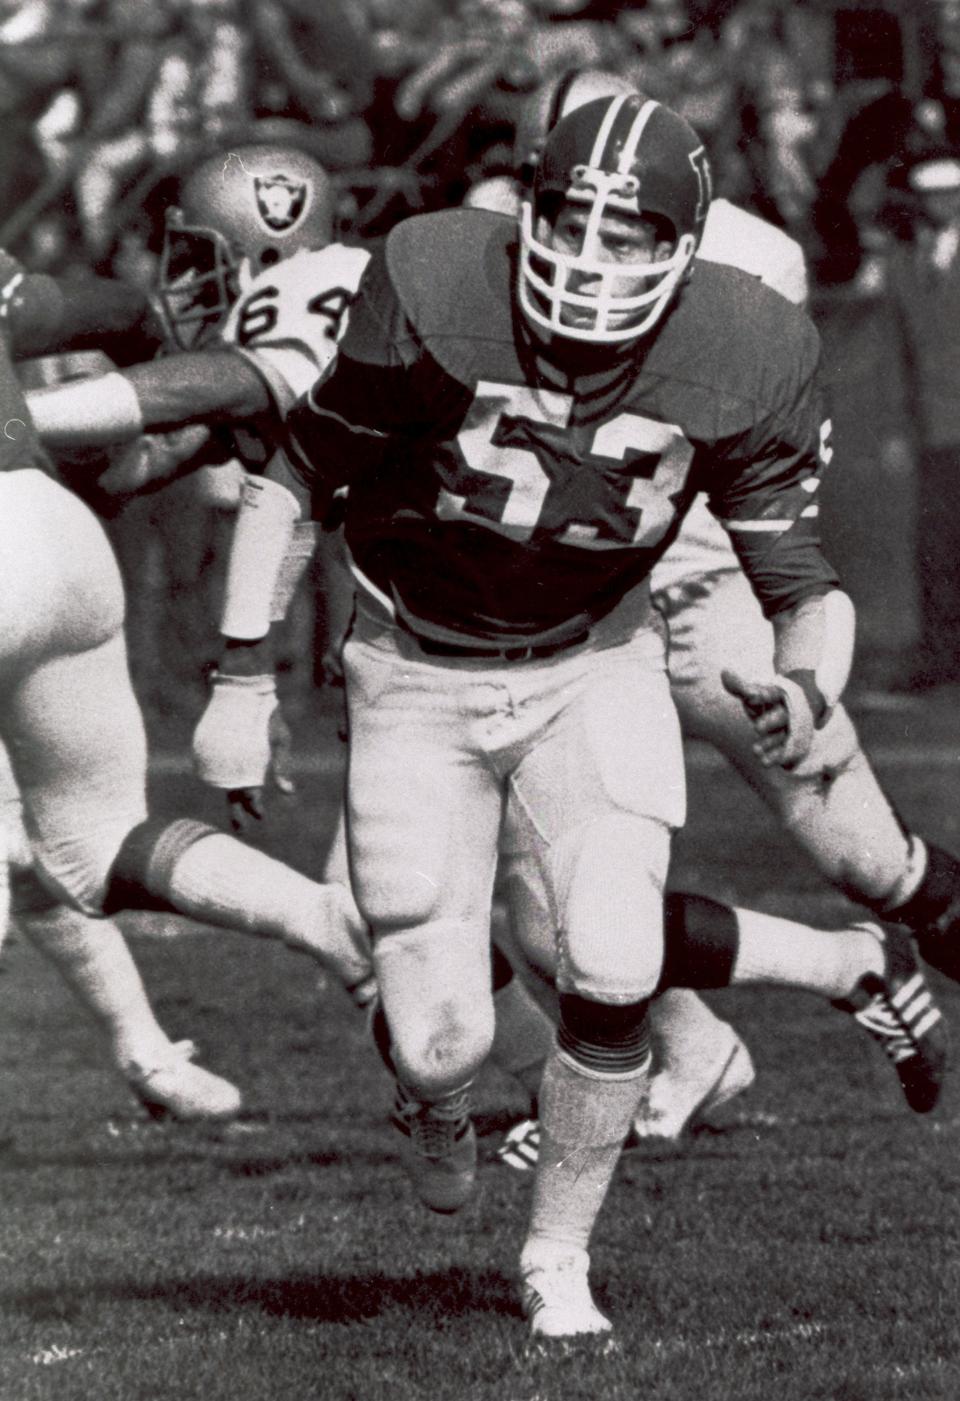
(901, 756)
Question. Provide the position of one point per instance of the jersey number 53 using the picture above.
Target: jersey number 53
(506, 488)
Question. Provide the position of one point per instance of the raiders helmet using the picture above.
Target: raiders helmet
(238, 212)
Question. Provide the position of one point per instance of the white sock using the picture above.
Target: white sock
(94, 961)
(781, 951)
(222, 881)
(583, 1122)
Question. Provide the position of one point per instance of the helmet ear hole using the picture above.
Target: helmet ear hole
(268, 257)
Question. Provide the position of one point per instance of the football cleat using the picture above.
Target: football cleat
(174, 1088)
(439, 1148)
(555, 1293)
(520, 1148)
(897, 1009)
(673, 1104)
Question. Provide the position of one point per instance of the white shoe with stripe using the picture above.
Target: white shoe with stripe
(555, 1292)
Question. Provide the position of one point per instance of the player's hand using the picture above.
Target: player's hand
(242, 741)
(247, 804)
(153, 460)
(780, 714)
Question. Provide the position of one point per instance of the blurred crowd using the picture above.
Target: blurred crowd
(820, 115)
(809, 109)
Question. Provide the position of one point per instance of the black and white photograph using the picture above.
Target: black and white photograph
(479, 700)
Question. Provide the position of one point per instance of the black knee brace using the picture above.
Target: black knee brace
(601, 1038)
(937, 893)
(701, 938)
(501, 969)
(139, 878)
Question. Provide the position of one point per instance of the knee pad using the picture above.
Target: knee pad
(701, 940)
(609, 1042)
(139, 878)
(435, 988)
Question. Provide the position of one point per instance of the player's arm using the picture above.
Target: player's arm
(343, 425)
(241, 740)
(814, 642)
(769, 504)
(209, 386)
(43, 315)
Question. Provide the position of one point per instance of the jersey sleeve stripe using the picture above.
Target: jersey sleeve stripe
(769, 527)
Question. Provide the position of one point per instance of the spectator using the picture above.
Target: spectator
(923, 289)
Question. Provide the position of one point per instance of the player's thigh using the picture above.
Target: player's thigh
(61, 588)
(76, 741)
(423, 809)
(599, 796)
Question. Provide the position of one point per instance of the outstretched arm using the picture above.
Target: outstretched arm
(210, 386)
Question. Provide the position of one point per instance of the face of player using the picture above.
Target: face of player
(625, 239)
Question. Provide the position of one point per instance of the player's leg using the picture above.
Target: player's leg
(603, 788)
(76, 742)
(62, 596)
(711, 945)
(832, 804)
(423, 821)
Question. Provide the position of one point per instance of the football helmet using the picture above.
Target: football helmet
(238, 212)
(553, 100)
(622, 155)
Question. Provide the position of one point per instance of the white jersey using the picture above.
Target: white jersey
(288, 320)
(744, 241)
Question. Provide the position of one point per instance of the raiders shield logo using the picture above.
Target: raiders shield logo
(280, 200)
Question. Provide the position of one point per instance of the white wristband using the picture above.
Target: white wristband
(87, 412)
(261, 539)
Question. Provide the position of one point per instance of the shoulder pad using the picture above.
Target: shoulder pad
(452, 272)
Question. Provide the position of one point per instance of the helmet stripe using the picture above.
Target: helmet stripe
(629, 151)
(606, 127)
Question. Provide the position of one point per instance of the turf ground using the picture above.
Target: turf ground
(804, 1245)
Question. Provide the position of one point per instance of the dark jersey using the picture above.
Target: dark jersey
(28, 305)
(39, 316)
(496, 493)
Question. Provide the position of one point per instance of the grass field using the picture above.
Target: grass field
(805, 1245)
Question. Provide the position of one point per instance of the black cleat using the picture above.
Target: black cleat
(897, 1009)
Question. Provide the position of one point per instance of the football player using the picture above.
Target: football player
(831, 804)
(285, 320)
(520, 429)
(70, 722)
(482, 699)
